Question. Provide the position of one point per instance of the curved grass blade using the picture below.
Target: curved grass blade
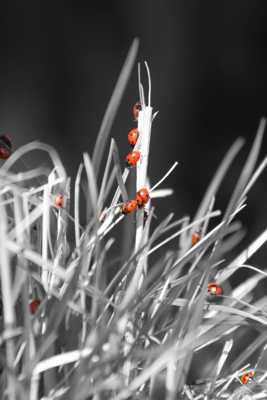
(247, 170)
(113, 106)
(218, 177)
(92, 188)
(116, 159)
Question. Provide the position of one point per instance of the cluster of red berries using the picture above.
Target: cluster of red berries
(5, 147)
(134, 156)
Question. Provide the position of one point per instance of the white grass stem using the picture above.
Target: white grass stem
(186, 228)
(255, 176)
(242, 257)
(54, 362)
(164, 177)
(149, 85)
(224, 355)
(160, 193)
(8, 309)
(77, 205)
(35, 146)
(36, 258)
(45, 230)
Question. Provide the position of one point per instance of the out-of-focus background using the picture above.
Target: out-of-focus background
(60, 61)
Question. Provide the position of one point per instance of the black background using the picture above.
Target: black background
(60, 61)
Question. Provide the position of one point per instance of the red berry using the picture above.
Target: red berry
(129, 207)
(133, 136)
(135, 110)
(59, 201)
(142, 197)
(132, 158)
(195, 238)
(34, 304)
(214, 289)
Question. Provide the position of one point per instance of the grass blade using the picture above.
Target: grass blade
(113, 106)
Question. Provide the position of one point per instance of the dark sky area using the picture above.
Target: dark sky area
(60, 61)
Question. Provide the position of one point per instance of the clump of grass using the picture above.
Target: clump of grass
(71, 329)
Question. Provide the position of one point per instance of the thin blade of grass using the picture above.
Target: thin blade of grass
(255, 176)
(92, 187)
(241, 313)
(113, 106)
(8, 307)
(249, 350)
(116, 159)
(247, 170)
(242, 258)
(77, 205)
(178, 233)
(224, 355)
(105, 179)
(33, 146)
(218, 177)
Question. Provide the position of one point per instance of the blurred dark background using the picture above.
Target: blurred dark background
(60, 61)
